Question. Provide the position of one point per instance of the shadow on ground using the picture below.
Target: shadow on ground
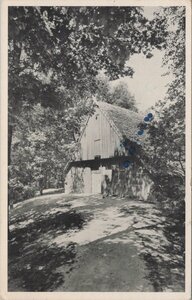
(162, 246)
(86, 243)
(32, 262)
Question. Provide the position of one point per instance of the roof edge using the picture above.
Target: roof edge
(111, 123)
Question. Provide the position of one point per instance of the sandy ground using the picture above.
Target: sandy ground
(87, 243)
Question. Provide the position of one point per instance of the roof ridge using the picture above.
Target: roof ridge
(118, 107)
(123, 121)
(118, 116)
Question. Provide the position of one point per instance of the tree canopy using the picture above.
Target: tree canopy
(117, 94)
(55, 55)
(53, 49)
(167, 136)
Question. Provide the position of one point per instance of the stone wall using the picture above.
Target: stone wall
(74, 181)
(132, 182)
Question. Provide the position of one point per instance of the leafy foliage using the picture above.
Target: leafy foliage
(122, 97)
(165, 141)
(75, 43)
(55, 54)
(43, 142)
(118, 94)
(167, 135)
(71, 44)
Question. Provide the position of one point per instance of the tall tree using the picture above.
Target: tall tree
(54, 49)
(55, 54)
(168, 133)
(122, 97)
(42, 144)
(166, 158)
(118, 94)
(103, 90)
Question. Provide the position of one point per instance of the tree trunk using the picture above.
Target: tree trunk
(10, 134)
(41, 185)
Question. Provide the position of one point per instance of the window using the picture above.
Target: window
(97, 157)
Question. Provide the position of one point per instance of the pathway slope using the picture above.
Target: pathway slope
(87, 243)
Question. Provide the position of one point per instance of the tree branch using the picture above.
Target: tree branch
(45, 22)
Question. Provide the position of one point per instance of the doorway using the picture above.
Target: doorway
(96, 182)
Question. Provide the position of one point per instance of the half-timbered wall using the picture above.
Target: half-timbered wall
(99, 138)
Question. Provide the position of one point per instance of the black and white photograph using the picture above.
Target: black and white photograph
(96, 148)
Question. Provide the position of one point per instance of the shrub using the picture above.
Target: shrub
(18, 192)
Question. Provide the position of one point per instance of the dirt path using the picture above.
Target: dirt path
(86, 243)
(105, 267)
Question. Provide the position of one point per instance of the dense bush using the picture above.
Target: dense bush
(18, 192)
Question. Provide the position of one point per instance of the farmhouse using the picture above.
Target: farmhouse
(105, 162)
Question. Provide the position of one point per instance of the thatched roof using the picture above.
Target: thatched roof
(124, 120)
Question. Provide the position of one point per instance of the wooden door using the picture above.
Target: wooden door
(96, 182)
